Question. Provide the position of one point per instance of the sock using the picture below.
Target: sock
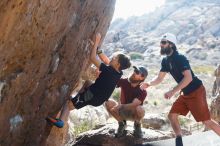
(179, 141)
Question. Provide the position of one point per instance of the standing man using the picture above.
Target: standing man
(192, 96)
(131, 101)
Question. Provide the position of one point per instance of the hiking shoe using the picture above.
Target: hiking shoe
(137, 130)
(179, 141)
(56, 122)
(121, 129)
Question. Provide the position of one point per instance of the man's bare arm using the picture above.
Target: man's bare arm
(130, 106)
(185, 81)
(155, 81)
(93, 58)
(104, 58)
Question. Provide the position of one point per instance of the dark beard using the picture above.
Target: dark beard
(133, 81)
(165, 51)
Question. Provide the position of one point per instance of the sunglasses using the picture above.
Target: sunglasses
(138, 72)
(163, 42)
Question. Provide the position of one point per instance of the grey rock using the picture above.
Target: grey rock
(106, 136)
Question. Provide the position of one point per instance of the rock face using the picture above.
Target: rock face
(106, 136)
(44, 49)
(216, 86)
(215, 105)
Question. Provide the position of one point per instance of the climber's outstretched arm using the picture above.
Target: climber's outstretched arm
(93, 58)
(103, 57)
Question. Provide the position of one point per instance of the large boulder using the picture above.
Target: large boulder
(216, 85)
(106, 136)
(215, 105)
(44, 49)
(88, 116)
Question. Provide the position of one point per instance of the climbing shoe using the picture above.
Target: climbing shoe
(137, 130)
(121, 129)
(56, 122)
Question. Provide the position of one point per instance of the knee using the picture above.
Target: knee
(110, 104)
(140, 111)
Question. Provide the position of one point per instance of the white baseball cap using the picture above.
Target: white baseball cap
(170, 37)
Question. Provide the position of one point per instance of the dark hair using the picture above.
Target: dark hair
(173, 46)
(124, 61)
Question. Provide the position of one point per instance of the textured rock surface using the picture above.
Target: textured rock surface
(89, 115)
(105, 136)
(44, 49)
(215, 105)
(216, 85)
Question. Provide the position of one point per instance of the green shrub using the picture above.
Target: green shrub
(136, 55)
(184, 121)
(116, 95)
(203, 69)
(155, 103)
(85, 126)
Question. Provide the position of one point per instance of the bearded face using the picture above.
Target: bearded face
(165, 50)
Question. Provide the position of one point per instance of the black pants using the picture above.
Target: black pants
(86, 98)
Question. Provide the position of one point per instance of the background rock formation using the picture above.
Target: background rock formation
(195, 22)
(215, 105)
(44, 49)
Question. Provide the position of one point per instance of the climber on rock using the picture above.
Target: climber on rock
(131, 100)
(96, 93)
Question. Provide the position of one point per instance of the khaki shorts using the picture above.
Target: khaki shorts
(127, 114)
(194, 102)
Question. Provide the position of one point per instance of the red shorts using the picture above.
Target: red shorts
(194, 102)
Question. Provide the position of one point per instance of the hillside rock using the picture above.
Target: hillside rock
(215, 105)
(44, 50)
(195, 22)
(106, 136)
(89, 115)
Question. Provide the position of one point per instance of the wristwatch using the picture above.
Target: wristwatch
(99, 51)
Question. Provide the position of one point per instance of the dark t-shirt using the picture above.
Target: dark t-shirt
(106, 82)
(175, 65)
(129, 93)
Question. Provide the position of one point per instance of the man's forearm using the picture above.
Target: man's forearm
(155, 81)
(104, 58)
(158, 79)
(93, 54)
(182, 84)
(136, 102)
(128, 106)
(93, 58)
